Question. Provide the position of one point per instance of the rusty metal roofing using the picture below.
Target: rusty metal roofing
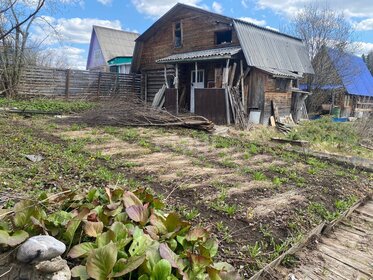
(280, 73)
(270, 49)
(210, 54)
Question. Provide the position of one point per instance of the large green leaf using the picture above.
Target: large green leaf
(210, 248)
(80, 272)
(161, 271)
(81, 250)
(125, 266)
(167, 254)
(122, 237)
(105, 238)
(140, 244)
(24, 210)
(13, 240)
(101, 261)
(74, 224)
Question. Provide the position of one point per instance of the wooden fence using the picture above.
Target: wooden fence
(70, 83)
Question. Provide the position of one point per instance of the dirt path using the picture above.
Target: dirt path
(346, 253)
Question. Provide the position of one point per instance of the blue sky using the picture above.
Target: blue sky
(73, 20)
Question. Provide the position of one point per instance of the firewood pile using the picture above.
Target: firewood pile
(132, 111)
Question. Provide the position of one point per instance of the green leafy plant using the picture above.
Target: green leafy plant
(259, 176)
(113, 233)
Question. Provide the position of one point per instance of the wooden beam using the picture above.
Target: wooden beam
(232, 74)
(177, 88)
(226, 92)
(67, 85)
(165, 76)
(242, 85)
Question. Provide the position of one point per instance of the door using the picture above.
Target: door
(200, 83)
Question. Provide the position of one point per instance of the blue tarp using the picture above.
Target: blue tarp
(353, 72)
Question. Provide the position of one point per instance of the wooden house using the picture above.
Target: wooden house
(110, 50)
(353, 88)
(199, 55)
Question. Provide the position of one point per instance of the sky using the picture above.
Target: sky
(72, 20)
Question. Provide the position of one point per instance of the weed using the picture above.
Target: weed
(191, 214)
(259, 176)
(222, 142)
(228, 163)
(254, 250)
(290, 261)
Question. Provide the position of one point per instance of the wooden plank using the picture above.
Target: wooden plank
(343, 257)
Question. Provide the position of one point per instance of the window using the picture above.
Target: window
(114, 69)
(282, 84)
(223, 37)
(178, 35)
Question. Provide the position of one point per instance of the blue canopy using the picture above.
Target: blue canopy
(353, 73)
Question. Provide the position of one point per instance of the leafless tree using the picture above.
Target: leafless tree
(321, 27)
(16, 19)
(369, 61)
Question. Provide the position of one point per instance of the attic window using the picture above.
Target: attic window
(178, 36)
(223, 37)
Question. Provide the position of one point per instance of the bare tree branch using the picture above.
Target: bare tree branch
(20, 23)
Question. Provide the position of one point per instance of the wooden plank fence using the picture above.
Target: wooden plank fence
(71, 83)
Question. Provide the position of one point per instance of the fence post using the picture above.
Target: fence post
(133, 84)
(67, 85)
(98, 85)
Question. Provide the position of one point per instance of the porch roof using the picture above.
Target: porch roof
(280, 73)
(211, 54)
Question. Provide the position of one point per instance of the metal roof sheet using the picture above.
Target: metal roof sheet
(115, 43)
(280, 73)
(201, 55)
(353, 73)
(270, 49)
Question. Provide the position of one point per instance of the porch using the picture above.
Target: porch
(200, 81)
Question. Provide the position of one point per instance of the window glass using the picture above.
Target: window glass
(178, 35)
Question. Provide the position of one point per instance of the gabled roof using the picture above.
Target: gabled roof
(115, 43)
(261, 46)
(201, 55)
(353, 73)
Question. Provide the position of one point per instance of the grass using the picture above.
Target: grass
(48, 105)
(326, 136)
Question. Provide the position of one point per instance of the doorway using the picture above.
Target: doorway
(199, 83)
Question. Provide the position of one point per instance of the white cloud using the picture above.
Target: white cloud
(261, 22)
(364, 25)
(356, 8)
(72, 30)
(362, 48)
(105, 2)
(244, 3)
(217, 7)
(156, 8)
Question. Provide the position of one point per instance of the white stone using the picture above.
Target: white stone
(40, 248)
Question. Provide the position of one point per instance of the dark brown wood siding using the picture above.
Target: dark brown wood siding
(210, 103)
(198, 34)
